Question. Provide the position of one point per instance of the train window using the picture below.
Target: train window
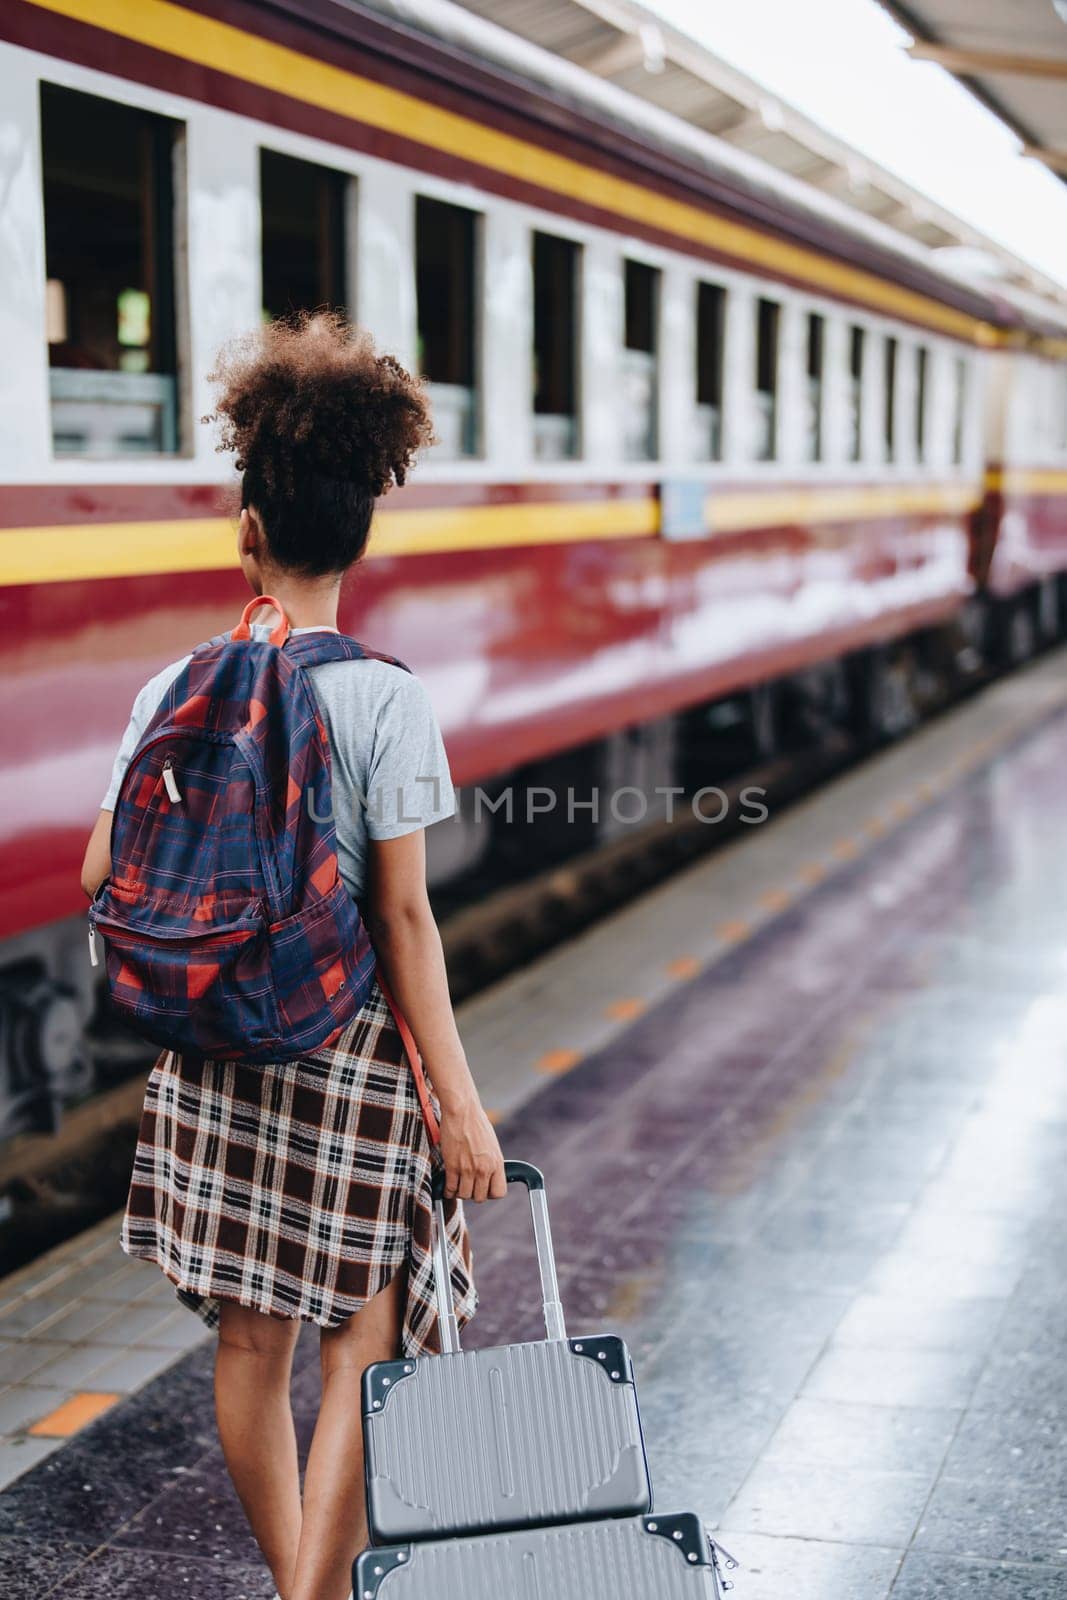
(445, 279)
(959, 409)
(711, 315)
(855, 393)
(922, 373)
(303, 234)
(640, 362)
(766, 414)
(555, 347)
(109, 261)
(890, 413)
(813, 414)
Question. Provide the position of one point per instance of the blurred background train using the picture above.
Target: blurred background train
(729, 457)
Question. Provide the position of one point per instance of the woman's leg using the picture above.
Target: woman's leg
(335, 1515)
(253, 1365)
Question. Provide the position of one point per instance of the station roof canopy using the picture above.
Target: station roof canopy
(625, 44)
(1012, 56)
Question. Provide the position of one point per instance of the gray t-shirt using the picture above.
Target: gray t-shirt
(390, 771)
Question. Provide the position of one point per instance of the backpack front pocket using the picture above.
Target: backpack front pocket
(207, 993)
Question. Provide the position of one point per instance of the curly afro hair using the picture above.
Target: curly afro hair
(321, 425)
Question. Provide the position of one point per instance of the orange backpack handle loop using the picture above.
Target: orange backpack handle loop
(429, 1117)
(279, 633)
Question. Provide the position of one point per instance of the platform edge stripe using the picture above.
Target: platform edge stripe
(210, 42)
(73, 1415)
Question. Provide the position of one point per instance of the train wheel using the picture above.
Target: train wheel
(766, 731)
(884, 694)
(974, 638)
(42, 1050)
(1020, 631)
(1049, 619)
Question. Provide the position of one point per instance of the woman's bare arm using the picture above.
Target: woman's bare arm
(97, 863)
(408, 945)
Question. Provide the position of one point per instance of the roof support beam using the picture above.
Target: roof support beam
(1056, 159)
(1003, 62)
(641, 46)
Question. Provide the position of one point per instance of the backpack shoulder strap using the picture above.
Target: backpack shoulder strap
(315, 649)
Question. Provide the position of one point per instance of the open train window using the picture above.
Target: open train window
(959, 410)
(890, 408)
(641, 363)
(766, 397)
(813, 416)
(922, 376)
(445, 274)
(303, 234)
(555, 347)
(711, 323)
(856, 343)
(109, 261)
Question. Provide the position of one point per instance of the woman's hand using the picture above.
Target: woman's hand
(474, 1166)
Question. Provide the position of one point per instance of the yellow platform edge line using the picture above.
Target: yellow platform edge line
(209, 42)
(73, 1415)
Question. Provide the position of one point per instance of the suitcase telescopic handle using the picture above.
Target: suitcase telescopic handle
(533, 1178)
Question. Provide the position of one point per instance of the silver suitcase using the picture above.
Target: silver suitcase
(633, 1558)
(514, 1437)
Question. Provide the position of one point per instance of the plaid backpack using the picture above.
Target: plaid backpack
(228, 930)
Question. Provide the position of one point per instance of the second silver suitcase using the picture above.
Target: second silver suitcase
(628, 1558)
(514, 1437)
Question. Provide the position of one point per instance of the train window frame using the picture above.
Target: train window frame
(765, 395)
(641, 364)
(816, 322)
(921, 415)
(960, 402)
(155, 391)
(339, 204)
(457, 407)
(856, 378)
(891, 397)
(711, 308)
(558, 437)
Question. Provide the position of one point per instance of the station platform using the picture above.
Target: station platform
(803, 1115)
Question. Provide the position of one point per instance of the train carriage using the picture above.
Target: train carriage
(700, 429)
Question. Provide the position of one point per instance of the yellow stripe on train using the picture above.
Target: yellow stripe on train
(75, 551)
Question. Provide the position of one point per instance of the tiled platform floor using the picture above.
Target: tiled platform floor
(820, 1188)
(78, 1330)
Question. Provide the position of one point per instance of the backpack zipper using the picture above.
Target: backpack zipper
(117, 931)
(172, 733)
(170, 782)
(149, 744)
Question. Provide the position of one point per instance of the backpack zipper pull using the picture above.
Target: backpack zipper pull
(94, 959)
(170, 782)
